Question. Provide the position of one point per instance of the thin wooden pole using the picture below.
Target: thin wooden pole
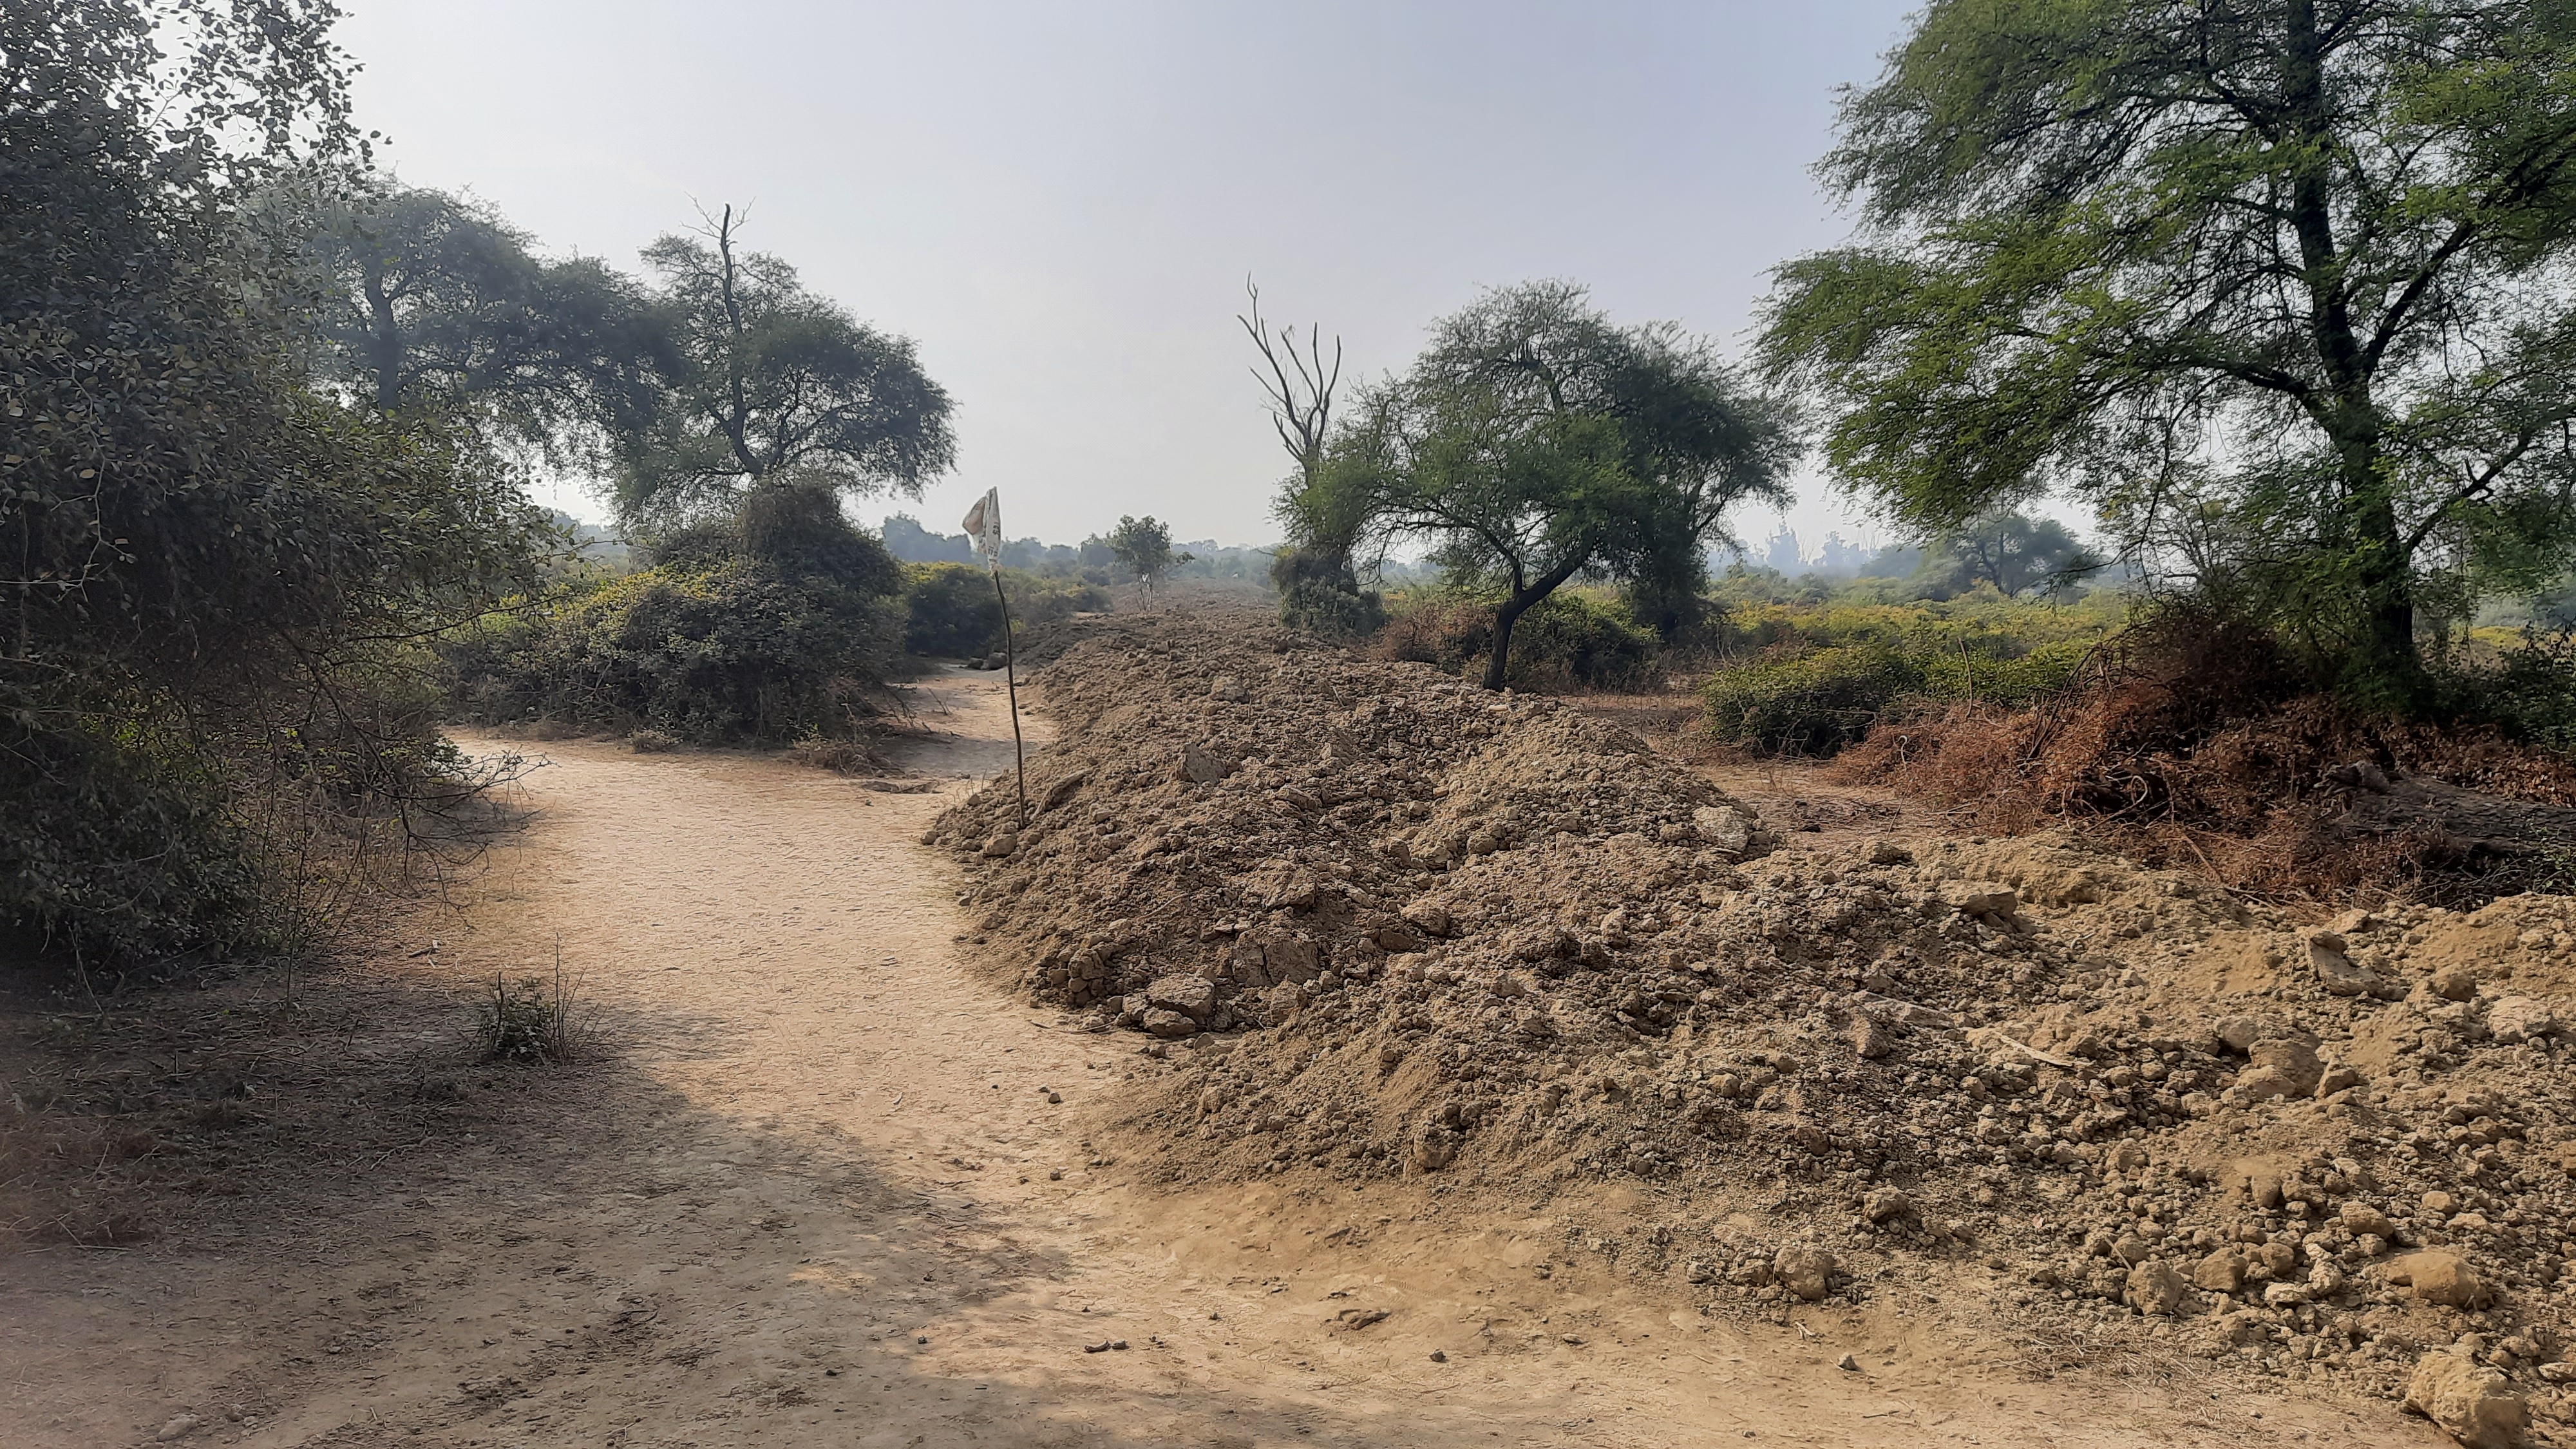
(1011, 680)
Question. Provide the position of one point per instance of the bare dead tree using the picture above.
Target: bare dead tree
(1297, 387)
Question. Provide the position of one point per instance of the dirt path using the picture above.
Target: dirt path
(815, 1187)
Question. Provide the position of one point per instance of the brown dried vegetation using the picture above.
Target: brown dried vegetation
(2198, 745)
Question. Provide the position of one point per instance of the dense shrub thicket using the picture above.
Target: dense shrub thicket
(1815, 701)
(1567, 641)
(1812, 675)
(206, 703)
(777, 624)
(950, 611)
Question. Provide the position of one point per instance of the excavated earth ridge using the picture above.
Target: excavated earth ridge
(1376, 922)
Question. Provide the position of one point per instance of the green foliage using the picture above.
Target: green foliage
(2530, 688)
(775, 625)
(1810, 703)
(212, 568)
(1327, 612)
(423, 300)
(950, 611)
(1813, 677)
(762, 381)
(2010, 553)
(121, 842)
(1143, 547)
(1572, 641)
(1319, 593)
(1569, 641)
(2281, 286)
(1534, 443)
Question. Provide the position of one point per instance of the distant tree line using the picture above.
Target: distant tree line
(1096, 557)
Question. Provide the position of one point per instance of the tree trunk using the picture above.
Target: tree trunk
(384, 343)
(1498, 664)
(2386, 664)
(1521, 601)
(2389, 667)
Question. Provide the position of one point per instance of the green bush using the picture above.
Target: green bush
(119, 844)
(1566, 641)
(2530, 689)
(1808, 701)
(1813, 703)
(950, 611)
(1570, 641)
(1326, 611)
(2005, 679)
(776, 625)
(737, 651)
(1320, 594)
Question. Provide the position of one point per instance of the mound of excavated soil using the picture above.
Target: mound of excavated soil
(1383, 923)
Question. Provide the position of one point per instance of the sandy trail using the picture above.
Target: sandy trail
(811, 1189)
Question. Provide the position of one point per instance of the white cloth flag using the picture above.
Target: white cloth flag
(984, 525)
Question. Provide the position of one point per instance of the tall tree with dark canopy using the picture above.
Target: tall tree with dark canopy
(768, 382)
(2300, 268)
(430, 301)
(1534, 442)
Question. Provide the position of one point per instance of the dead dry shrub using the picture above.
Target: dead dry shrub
(531, 1021)
(841, 757)
(2199, 743)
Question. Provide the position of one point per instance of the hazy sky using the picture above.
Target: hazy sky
(1060, 203)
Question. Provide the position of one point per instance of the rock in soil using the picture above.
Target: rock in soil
(2474, 1405)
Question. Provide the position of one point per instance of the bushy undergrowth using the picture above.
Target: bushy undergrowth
(210, 718)
(1569, 641)
(1326, 611)
(2203, 742)
(1320, 594)
(950, 611)
(121, 840)
(778, 625)
(1814, 679)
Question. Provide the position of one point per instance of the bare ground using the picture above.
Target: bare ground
(809, 1187)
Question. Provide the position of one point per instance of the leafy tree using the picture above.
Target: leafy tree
(430, 301)
(2287, 275)
(908, 540)
(211, 571)
(2016, 554)
(1533, 442)
(1143, 547)
(765, 381)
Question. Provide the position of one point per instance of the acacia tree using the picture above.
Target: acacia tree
(764, 381)
(2015, 553)
(428, 300)
(1534, 442)
(2290, 278)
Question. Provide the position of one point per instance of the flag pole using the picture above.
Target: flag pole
(1011, 681)
(984, 525)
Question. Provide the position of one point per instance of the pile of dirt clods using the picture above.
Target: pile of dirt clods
(1377, 922)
